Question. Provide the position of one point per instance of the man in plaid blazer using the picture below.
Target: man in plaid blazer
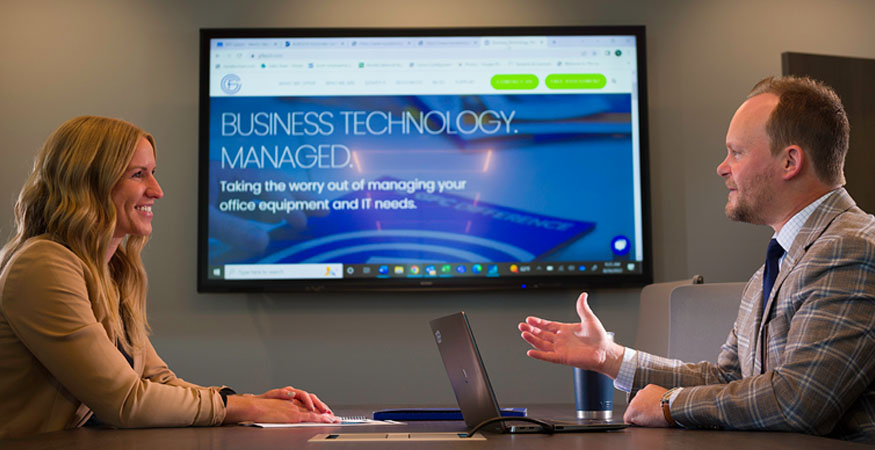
(798, 358)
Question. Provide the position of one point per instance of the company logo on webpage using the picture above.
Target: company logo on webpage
(231, 84)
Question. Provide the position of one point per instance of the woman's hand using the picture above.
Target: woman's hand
(284, 405)
(299, 397)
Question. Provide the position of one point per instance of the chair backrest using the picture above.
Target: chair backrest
(701, 317)
(654, 315)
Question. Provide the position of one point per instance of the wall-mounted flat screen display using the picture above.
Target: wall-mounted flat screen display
(422, 158)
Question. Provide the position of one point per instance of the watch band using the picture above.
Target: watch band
(225, 392)
(665, 402)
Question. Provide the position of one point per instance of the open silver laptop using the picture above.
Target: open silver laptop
(474, 394)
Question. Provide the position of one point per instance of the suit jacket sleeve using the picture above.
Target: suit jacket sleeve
(46, 301)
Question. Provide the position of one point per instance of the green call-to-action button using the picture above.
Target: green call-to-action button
(515, 81)
(575, 81)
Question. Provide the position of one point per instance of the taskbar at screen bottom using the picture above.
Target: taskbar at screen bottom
(336, 271)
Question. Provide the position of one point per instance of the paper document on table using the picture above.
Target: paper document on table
(344, 422)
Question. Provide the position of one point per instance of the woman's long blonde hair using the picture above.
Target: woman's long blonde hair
(67, 197)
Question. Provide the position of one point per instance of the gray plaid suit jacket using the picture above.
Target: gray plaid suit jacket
(809, 366)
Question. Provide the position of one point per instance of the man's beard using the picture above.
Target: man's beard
(752, 209)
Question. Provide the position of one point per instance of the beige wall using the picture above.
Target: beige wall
(138, 61)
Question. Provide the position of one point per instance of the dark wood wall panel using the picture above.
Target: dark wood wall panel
(854, 80)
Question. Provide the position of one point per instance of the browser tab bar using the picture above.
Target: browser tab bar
(434, 65)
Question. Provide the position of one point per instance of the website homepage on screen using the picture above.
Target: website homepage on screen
(423, 157)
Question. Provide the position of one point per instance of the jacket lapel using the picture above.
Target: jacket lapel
(838, 202)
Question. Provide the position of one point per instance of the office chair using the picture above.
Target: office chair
(686, 319)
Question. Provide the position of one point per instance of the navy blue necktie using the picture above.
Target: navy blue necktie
(773, 254)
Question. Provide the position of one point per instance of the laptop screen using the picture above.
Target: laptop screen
(466, 371)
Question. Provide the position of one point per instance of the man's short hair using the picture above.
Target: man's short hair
(811, 115)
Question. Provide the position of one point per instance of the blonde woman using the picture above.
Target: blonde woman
(74, 345)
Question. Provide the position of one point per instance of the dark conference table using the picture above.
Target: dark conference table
(238, 437)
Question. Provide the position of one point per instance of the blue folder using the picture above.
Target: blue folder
(411, 414)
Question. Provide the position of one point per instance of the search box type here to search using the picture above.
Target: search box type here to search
(282, 271)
